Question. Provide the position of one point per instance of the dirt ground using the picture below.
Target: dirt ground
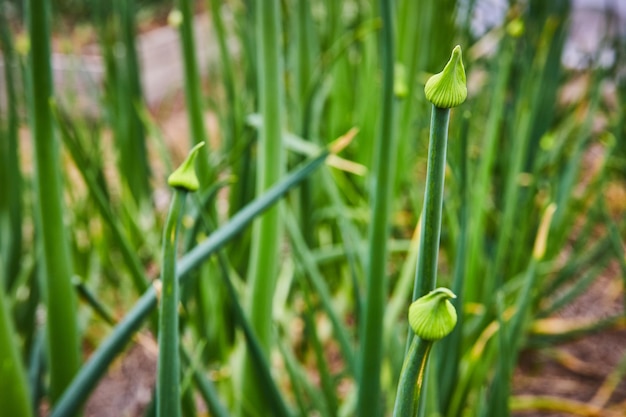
(579, 370)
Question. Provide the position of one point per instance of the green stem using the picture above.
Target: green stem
(226, 62)
(263, 266)
(131, 132)
(62, 327)
(168, 383)
(412, 378)
(426, 272)
(450, 352)
(369, 365)
(193, 91)
(270, 167)
(11, 202)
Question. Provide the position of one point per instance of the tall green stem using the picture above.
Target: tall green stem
(264, 265)
(444, 90)
(131, 132)
(426, 272)
(62, 328)
(11, 177)
(193, 90)
(267, 231)
(183, 180)
(368, 402)
(168, 388)
(226, 62)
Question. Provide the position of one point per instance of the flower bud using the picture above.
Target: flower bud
(185, 175)
(433, 316)
(448, 88)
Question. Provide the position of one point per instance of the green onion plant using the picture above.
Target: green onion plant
(364, 286)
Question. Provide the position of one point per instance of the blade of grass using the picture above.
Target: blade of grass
(92, 300)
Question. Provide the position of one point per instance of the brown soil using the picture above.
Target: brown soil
(578, 369)
(126, 390)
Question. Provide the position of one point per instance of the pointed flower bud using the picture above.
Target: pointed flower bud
(185, 175)
(433, 316)
(448, 88)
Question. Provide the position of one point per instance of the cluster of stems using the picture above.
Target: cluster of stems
(431, 315)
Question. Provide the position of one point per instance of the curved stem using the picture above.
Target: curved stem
(168, 383)
(412, 378)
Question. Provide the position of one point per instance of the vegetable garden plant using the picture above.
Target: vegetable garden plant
(311, 257)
